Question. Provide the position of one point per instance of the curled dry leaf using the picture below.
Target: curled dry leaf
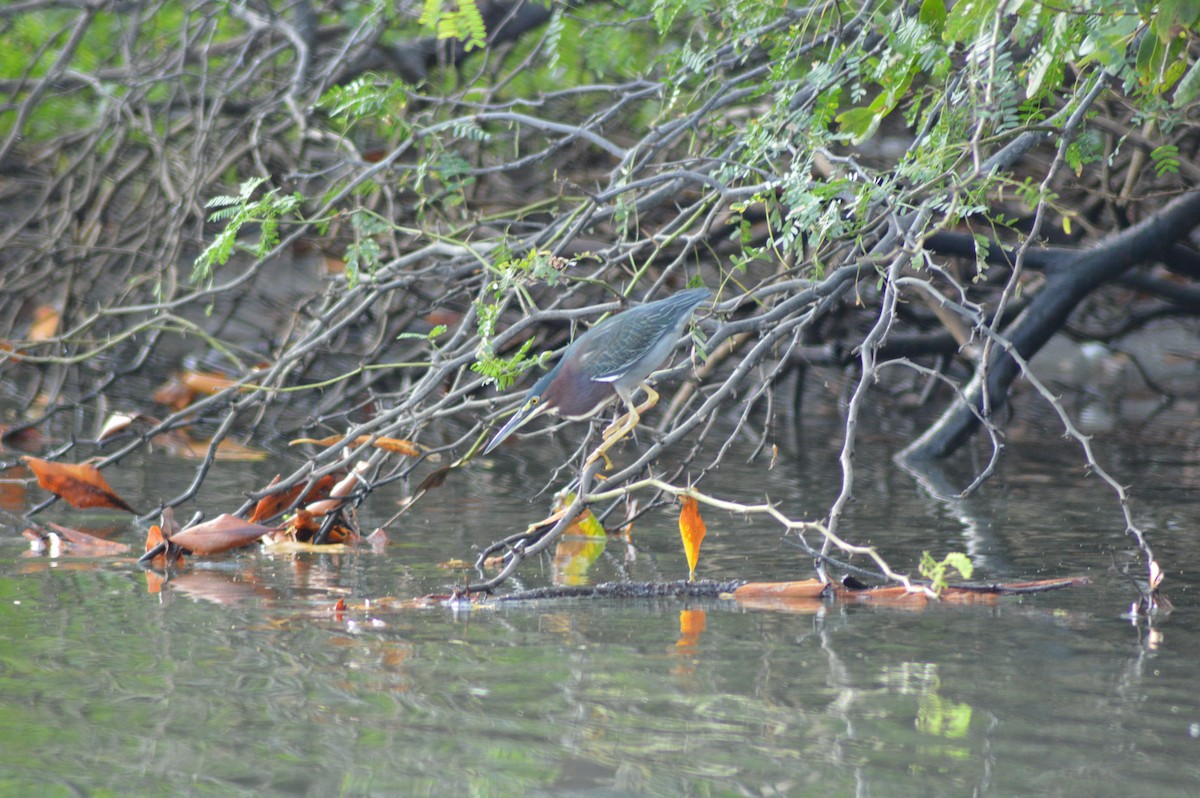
(339, 492)
(223, 533)
(301, 526)
(393, 445)
(80, 485)
(1156, 575)
(272, 505)
(166, 553)
(692, 530)
(115, 425)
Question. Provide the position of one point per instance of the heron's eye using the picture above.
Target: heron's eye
(534, 401)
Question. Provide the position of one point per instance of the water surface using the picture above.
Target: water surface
(239, 678)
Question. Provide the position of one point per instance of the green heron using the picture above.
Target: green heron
(612, 359)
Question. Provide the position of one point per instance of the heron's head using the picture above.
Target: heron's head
(538, 401)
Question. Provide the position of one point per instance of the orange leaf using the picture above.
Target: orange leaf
(223, 533)
(174, 394)
(206, 382)
(274, 504)
(154, 539)
(12, 490)
(154, 536)
(691, 528)
(80, 485)
(180, 445)
(302, 526)
(808, 588)
(393, 445)
(45, 323)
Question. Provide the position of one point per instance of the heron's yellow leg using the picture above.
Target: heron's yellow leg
(622, 424)
(622, 427)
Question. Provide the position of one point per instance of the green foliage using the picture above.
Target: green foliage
(536, 266)
(369, 99)
(363, 255)
(503, 371)
(35, 45)
(1166, 159)
(463, 22)
(1085, 149)
(935, 571)
(239, 211)
(431, 337)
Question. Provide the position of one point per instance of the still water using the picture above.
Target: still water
(239, 678)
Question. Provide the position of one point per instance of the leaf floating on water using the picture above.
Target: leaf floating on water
(80, 485)
(223, 533)
(60, 540)
(85, 544)
(809, 595)
(803, 589)
(692, 530)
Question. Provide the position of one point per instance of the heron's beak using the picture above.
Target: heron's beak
(529, 411)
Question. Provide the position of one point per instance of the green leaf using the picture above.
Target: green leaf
(859, 123)
(967, 19)
(960, 562)
(1188, 88)
(933, 14)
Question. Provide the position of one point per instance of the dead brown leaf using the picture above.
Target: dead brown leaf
(80, 485)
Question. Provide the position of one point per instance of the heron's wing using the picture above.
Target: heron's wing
(611, 350)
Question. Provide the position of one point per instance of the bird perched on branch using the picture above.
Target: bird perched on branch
(613, 359)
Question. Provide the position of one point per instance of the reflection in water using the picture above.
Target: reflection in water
(246, 677)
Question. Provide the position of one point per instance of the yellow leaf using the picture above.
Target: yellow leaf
(691, 529)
